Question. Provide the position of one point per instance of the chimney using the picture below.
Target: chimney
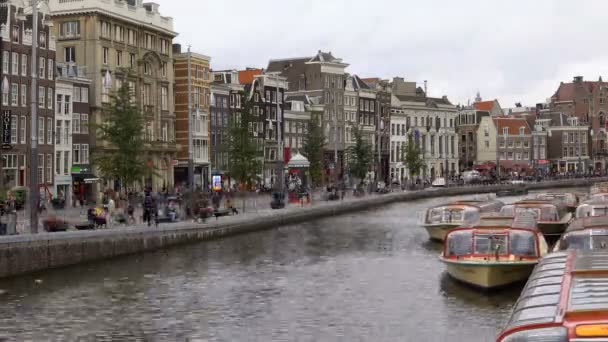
(578, 79)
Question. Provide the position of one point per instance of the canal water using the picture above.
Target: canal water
(370, 276)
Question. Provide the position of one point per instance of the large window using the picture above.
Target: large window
(41, 67)
(84, 153)
(66, 163)
(84, 123)
(51, 69)
(49, 98)
(76, 123)
(49, 168)
(5, 96)
(69, 29)
(58, 162)
(40, 131)
(119, 33)
(164, 98)
(14, 94)
(49, 131)
(106, 55)
(106, 29)
(105, 93)
(41, 169)
(6, 61)
(58, 133)
(76, 155)
(14, 123)
(22, 129)
(146, 94)
(41, 96)
(118, 58)
(70, 54)
(15, 64)
(132, 37)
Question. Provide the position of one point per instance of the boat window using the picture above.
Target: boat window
(460, 243)
(507, 210)
(541, 313)
(528, 211)
(542, 300)
(522, 243)
(446, 215)
(490, 244)
(549, 214)
(544, 281)
(583, 241)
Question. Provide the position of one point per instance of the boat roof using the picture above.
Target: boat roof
(536, 203)
(563, 283)
(554, 195)
(598, 188)
(481, 204)
(591, 222)
(595, 202)
(498, 221)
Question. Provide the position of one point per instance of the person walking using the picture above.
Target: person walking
(148, 207)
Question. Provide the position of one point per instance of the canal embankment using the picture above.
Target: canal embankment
(22, 254)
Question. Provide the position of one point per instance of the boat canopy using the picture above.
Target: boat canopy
(495, 235)
(566, 197)
(460, 211)
(599, 188)
(592, 208)
(563, 286)
(542, 211)
(587, 233)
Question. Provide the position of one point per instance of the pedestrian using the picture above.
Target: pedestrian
(148, 207)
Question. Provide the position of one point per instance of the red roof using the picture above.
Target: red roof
(370, 80)
(513, 124)
(246, 76)
(566, 91)
(485, 106)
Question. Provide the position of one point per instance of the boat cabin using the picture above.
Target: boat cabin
(592, 208)
(570, 199)
(460, 212)
(585, 233)
(495, 237)
(565, 299)
(542, 210)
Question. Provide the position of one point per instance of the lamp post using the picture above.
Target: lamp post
(34, 192)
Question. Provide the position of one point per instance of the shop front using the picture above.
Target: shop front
(63, 189)
(84, 183)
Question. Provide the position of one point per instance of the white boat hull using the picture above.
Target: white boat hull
(438, 232)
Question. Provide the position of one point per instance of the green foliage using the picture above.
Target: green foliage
(314, 141)
(122, 133)
(412, 156)
(244, 154)
(359, 156)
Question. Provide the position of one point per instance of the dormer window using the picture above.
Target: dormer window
(522, 131)
(505, 131)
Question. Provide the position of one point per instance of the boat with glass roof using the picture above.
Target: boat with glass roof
(585, 233)
(552, 217)
(592, 208)
(440, 219)
(571, 200)
(565, 299)
(495, 251)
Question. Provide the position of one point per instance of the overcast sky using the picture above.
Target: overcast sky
(516, 51)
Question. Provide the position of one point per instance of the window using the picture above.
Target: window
(58, 133)
(486, 131)
(571, 138)
(565, 152)
(118, 33)
(147, 68)
(70, 54)
(132, 60)
(505, 130)
(57, 163)
(105, 92)
(6, 60)
(146, 93)
(84, 153)
(50, 69)
(49, 131)
(22, 129)
(15, 64)
(49, 98)
(76, 123)
(23, 95)
(15, 33)
(165, 131)
(164, 69)
(518, 144)
(14, 122)
(522, 130)
(67, 105)
(510, 155)
(106, 55)
(164, 46)
(49, 168)
(75, 95)
(5, 96)
(132, 37)
(14, 94)
(76, 155)
(84, 94)
(118, 58)
(131, 90)
(487, 144)
(164, 98)
(69, 29)
(42, 39)
(526, 155)
(84, 123)
(66, 133)
(584, 138)
(565, 137)
(106, 29)
(149, 41)
(41, 67)
(518, 156)
(526, 144)
(66, 162)
(41, 96)
(40, 131)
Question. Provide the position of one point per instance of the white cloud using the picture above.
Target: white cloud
(512, 50)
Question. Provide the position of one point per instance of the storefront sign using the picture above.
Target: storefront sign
(80, 169)
(6, 130)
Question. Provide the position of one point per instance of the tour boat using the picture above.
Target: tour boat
(599, 188)
(439, 220)
(571, 200)
(494, 252)
(592, 208)
(586, 233)
(565, 299)
(552, 217)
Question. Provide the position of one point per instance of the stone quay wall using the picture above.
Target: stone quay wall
(22, 254)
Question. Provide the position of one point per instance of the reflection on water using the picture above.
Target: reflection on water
(372, 276)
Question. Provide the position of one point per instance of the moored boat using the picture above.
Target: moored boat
(565, 299)
(571, 200)
(552, 217)
(440, 219)
(514, 190)
(494, 252)
(585, 233)
(592, 208)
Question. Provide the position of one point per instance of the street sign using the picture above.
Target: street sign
(6, 130)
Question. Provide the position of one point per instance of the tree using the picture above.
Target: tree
(359, 156)
(413, 157)
(121, 137)
(314, 140)
(242, 150)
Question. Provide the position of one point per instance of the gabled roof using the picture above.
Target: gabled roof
(485, 106)
(513, 124)
(359, 84)
(324, 57)
(279, 65)
(371, 80)
(567, 91)
(246, 76)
